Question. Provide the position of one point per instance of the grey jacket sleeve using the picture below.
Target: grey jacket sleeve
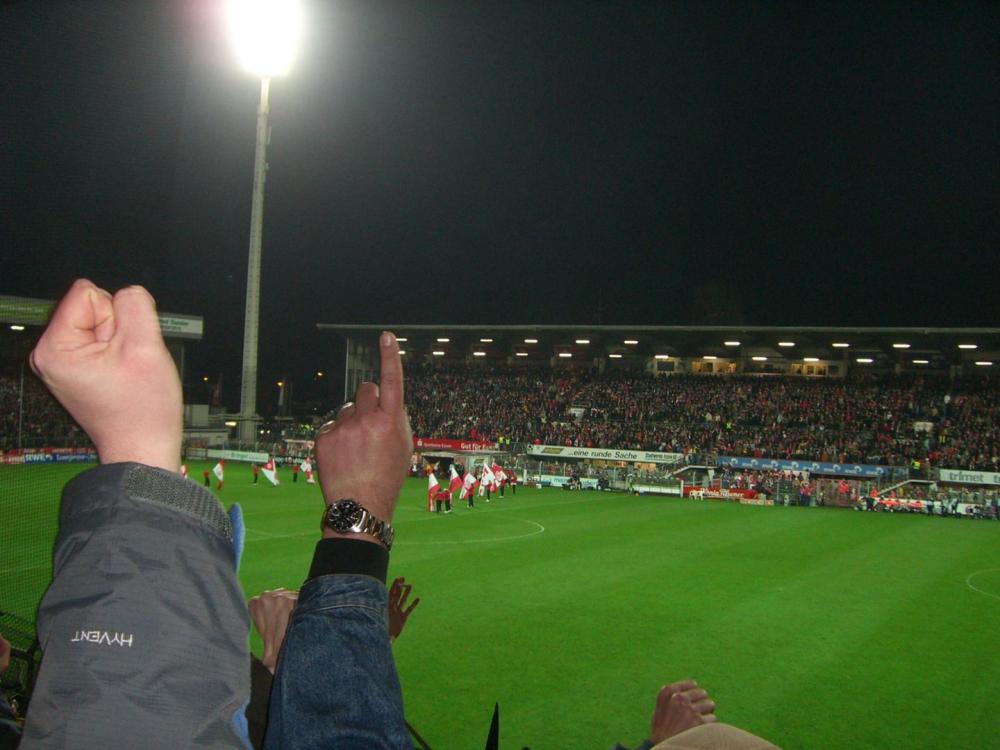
(144, 626)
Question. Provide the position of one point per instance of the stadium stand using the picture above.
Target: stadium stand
(874, 419)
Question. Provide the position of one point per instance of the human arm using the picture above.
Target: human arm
(143, 626)
(336, 683)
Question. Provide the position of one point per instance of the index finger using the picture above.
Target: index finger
(391, 378)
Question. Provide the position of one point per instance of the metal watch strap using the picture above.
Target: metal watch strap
(367, 523)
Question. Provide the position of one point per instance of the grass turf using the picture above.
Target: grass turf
(816, 628)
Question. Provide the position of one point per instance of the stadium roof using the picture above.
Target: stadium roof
(933, 347)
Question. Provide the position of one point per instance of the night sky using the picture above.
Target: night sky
(510, 162)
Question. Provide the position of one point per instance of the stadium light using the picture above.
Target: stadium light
(630, 342)
(968, 346)
(531, 341)
(786, 344)
(565, 355)
(437, 353)
(479, 354)
(840, 345)
(864, 360)
(265, 34)
(614, 356)
(583, 341)
(443, 341)
(731, 343)
(485, 341)
(900, 346)
(921, 362)
(520, 354)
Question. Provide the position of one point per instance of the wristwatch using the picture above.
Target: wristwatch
(347, 516)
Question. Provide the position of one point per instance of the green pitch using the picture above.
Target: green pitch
(815, 628)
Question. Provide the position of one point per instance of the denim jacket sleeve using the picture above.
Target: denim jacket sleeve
(144, 627)
(336, 684)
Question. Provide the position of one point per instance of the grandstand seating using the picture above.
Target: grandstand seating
(859, 420)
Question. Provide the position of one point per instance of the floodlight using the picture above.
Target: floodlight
(265, 34)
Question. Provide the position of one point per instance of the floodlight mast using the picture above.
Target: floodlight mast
(265, 34)
(251, 319)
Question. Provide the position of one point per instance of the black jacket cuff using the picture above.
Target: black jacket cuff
(349, 557)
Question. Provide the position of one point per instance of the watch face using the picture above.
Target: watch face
(343, 514)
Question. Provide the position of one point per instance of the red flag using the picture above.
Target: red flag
(455, 482)
(270, 472)
(432, 485)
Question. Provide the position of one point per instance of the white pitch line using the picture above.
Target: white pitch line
(540, 530)
(968, 582)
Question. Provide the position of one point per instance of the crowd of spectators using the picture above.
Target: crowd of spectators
(889, 420)
(31, 418)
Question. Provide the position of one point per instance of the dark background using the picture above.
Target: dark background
(509, 162)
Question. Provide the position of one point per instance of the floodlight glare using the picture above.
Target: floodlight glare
(265, 34)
